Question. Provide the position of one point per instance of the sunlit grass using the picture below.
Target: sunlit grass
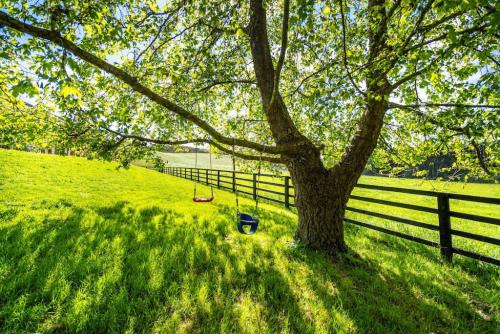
(85, 247)
(277, 189)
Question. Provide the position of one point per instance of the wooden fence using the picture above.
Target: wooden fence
(230, 180)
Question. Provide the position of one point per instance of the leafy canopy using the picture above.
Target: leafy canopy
(441, 57)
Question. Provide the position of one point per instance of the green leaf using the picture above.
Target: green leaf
(70, 91)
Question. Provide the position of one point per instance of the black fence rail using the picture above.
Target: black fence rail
(283, 191)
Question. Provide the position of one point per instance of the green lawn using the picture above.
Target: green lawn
(245, 183)
(85, 247)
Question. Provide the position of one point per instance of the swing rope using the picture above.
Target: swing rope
(257, 183)
(210, 164)
(195, 166)
(256, 186)
(235, 187)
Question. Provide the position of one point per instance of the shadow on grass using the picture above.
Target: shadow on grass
(119, 268)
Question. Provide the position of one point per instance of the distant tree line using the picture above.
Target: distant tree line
(441, 167)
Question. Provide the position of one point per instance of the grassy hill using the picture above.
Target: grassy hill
(86, 247)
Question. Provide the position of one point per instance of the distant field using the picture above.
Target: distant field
(188, 160)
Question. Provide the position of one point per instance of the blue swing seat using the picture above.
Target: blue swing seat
(247, 220)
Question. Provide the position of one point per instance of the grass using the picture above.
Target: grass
(245, 184)
(85, 247)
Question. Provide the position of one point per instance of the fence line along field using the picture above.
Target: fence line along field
(87, 247)
(470, 223)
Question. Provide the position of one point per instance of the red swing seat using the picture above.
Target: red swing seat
(202, 199)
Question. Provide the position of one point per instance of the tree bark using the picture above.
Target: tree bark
(321, 194)
(321, 201)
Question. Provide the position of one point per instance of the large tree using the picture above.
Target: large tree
(332, 79)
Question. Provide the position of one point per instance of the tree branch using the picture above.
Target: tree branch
(344, 47)
(393, 105)
(284, 43)
(422, 70)
(196, 140)
(460, 130)
(441, 37)
(481, 157)
(56, 38)
(224, 82)
(156, 36)
(392, 10)
(416, 27)
(437, 23)
(324, 68)
(281, 124)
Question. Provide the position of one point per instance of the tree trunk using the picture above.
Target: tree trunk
(321, 194)
(321, 201)
(320, 198)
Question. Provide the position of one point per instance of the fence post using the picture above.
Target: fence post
(206, 175)
(234, 182)
(287, 192)
(254, 186)
(445, 227)
(218, 178)
(185, 173)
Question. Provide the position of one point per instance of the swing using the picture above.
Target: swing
(245, 219)
(197, 199)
